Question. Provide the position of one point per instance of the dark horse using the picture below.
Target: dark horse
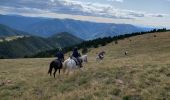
(56, 64)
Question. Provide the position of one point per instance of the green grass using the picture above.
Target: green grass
(144, 74)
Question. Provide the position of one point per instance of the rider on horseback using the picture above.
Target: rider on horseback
(60, 55)
(76, 55)
(57, 63)
(101, 55)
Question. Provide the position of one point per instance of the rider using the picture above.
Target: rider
(60, 55)
(101, 54)
(76, 55)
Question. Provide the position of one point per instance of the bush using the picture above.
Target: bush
(2, 57)
(25, 56)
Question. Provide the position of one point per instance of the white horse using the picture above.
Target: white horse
(84, 58)
(70, 65)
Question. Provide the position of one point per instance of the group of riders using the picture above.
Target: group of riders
(75, 55)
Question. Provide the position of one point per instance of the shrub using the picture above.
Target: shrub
(2, 57)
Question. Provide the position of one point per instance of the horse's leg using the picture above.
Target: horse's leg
(55, 72)
(73, 70)
(64, 67)
(59, 71)
(64, 70)
(59, 75)
(68, 71)
(50, 74)
(86, 60)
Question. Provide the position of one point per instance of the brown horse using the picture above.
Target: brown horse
(57, 65)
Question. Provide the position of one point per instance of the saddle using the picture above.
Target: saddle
(78, 61)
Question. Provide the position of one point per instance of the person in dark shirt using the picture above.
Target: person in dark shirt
(60, 55)
(76, 55)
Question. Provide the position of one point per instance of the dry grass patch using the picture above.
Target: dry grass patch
(144, 74)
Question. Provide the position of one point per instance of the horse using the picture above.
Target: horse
(84, 58)
(57, 65)
(100, 56)
(70, 64)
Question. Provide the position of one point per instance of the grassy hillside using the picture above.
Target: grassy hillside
(144, 74)
(91, 43)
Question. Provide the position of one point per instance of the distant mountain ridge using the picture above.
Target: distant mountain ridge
(46, 27)
(6, 31)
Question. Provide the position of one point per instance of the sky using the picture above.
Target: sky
(155, 13)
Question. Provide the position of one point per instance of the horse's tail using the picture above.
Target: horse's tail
(50, 67)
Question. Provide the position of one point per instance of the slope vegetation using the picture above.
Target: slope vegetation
(31, 45)
(142, 74)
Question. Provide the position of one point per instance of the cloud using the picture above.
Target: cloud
(72, 7)
(78, 10)
(116, 0)
(158, 15)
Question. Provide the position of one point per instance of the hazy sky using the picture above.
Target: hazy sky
(138, 12)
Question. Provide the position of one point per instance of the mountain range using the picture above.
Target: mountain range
(46, 27)
(24, 36)
(6, 31)
(29, 45)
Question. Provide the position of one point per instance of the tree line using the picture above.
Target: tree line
(84, 46)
